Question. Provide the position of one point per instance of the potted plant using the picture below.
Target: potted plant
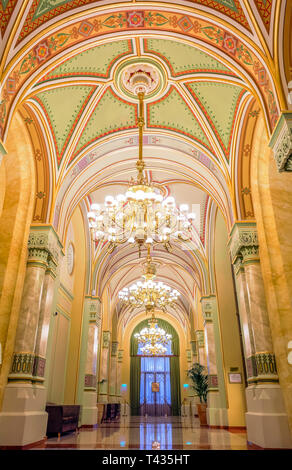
(200, 384)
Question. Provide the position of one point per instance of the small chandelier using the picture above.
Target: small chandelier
(154, 339)
(142, 215)
(148, 293)
(153, 350)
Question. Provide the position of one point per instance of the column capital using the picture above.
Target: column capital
(44, 244)
(281, 142)
(114, 351)
(189, 355)
(106, 339)
(94, 309)
(243, 242)
(193, 344)
(3, 151)
(209, 307)
(120, 355)
(200, 338)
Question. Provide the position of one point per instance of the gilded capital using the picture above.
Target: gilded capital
(281, 142)
(243, 243)
(44, 245)
(209, 307)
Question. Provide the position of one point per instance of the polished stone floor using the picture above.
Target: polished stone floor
(150, 433)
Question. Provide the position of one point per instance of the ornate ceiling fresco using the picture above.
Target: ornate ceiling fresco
(61, 68)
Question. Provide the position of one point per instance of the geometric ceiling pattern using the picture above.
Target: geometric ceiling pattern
(43, 10)
(190, 104)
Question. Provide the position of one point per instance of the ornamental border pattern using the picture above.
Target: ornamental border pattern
(243, 241)
(141, 19)
(261, 364)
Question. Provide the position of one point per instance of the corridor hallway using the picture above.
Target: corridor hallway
(171, 433)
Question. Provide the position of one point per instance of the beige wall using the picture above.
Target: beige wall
(71, 386)
(230, 339)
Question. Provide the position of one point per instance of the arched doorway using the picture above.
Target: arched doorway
(162, 370)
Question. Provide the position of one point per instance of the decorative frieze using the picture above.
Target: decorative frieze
(281, 142)
(90, 381)
(243, 243)
(22, 365)
(261, 367)
(39, 367)
(213, 381)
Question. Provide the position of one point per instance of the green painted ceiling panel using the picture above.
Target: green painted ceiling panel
(184, 58)
(219, 100)
(93, 61)
(110, 114)
(172, 112)
(62, 106)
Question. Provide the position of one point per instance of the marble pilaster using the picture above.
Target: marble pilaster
(200, 336)
(24, 397)
(216, 412)
(104, 368)
(119, 375)
(265, 406)
(113, 372)
(92, 324)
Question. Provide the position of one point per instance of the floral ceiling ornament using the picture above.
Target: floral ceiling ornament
(141, 216)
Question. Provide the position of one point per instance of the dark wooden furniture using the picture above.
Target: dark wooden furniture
(111, 412)
(62, 418)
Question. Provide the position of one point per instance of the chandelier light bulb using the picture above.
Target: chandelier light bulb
(143, 215)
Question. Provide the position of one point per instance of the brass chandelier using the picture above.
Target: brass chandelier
(148, 293)
(142, 215)
(154, 339)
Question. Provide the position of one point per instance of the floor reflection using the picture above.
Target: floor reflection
(164, 433)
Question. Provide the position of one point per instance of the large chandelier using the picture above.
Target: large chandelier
(148, 293)
(154, 339)
(142, 215)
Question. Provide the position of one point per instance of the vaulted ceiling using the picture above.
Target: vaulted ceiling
(61, 66)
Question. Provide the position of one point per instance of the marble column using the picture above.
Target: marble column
(104, 368)
(281, 142)
(217, 415)
(44, 320)
(195, 359)
(266, 418)
(89, 401)
(202, 358)
(187, 401)
(113, 373)
(119, 375)
(23, 419)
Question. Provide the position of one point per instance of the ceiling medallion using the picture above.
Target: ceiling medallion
(146, 76)
(141, 216)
